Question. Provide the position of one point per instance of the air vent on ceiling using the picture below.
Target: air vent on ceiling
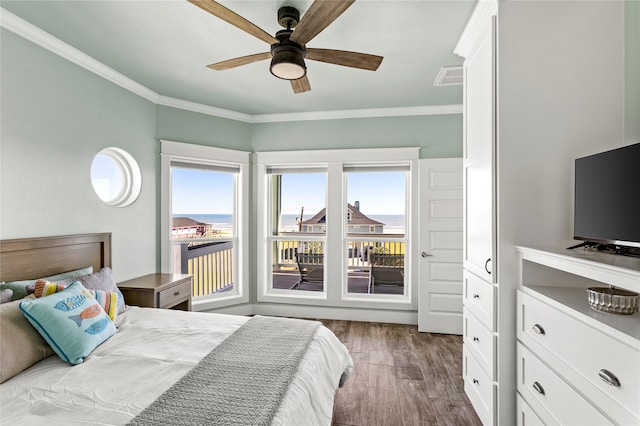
(449, 76)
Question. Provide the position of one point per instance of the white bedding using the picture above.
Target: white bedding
(152, 349)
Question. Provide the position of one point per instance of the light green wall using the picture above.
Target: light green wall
(632, 71)
(55, 116)
(439, 136)
(191, 127)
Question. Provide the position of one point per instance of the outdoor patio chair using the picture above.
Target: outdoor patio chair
(386, 270)
(310, 267)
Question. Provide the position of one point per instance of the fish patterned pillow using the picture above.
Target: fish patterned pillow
(71, 321)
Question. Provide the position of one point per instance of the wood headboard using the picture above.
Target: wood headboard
(30, 258)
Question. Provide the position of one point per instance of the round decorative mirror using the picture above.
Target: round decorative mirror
(116, 177)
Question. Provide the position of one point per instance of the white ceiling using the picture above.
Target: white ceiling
(166, 45)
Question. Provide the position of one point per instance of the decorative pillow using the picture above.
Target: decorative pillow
(19, 289)
(5, 295)
(101, 280)
(25, 287)
(108, 300)
(20, 343)
(71, 321)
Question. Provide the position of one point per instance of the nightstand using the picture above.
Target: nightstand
(168, 291)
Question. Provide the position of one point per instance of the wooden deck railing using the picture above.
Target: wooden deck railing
(211, 265)
(359, 251)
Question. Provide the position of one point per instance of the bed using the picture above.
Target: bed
(148, 362)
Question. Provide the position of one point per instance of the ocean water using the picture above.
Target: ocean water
(393, 224)
(219, 221)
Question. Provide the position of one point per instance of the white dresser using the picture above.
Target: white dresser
(575, 365)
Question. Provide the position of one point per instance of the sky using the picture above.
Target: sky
(198, 191)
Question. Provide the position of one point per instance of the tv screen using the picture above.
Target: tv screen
(607, 197)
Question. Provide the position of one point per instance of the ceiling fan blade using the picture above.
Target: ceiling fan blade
(345, 58)
(320, 14)
(300, 85)
(218, 10)
(237, 62)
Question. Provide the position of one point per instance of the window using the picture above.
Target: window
(203, 228)
(341, 214)
(116, 177)
(376, 232)
(297, 227)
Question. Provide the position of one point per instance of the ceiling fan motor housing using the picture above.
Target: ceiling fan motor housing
(288, 57)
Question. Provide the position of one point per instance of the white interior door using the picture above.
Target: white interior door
(440, 270)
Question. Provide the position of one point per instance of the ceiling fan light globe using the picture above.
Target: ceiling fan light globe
(288, 71)
(287, 62)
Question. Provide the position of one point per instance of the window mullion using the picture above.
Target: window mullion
(335, 230)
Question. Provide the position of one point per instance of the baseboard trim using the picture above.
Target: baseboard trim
(321, 312)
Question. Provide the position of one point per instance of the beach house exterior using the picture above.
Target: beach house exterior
(357, 222)
(185, 227)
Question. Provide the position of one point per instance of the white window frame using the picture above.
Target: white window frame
(334, 161)
(172, 152)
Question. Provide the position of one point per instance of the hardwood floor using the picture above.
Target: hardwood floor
(401, 377)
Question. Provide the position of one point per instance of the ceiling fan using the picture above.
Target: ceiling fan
(288, 47)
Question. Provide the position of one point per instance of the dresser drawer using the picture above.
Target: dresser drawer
(174, 294)
(525, 416)
(479, 298)
(538, 382)
(584, 354)
(480, 341)
(478, 387)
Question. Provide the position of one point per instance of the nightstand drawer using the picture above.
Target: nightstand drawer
(169, 291)
(174, 294)
(537, 382)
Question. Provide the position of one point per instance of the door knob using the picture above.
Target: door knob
(425, 254)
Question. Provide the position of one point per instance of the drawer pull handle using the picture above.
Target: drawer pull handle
(475, 339)
(538, 329)
(609, 378)
(177, 293)
(538, 388)
(476, 296)
(476, 381)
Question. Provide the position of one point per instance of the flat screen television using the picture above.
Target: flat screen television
(607, 198)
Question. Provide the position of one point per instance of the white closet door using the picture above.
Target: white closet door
(479, 159)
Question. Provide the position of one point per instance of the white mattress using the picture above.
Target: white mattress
(152, 349)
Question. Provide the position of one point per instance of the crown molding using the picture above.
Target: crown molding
(359, 113)
(480, 18)
(204, 109)
(53, 44)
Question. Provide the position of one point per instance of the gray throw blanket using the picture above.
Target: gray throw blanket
(241, 381)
